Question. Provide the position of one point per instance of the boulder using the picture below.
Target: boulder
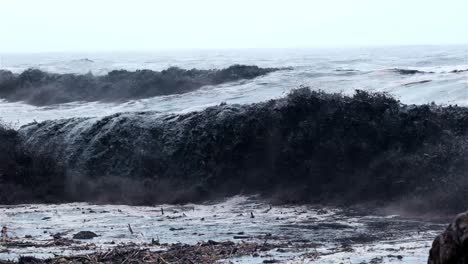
(84, 235)
(451, 247)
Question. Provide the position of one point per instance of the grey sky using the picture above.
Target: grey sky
(99, 25)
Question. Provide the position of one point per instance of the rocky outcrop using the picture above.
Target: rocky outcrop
(41, 88)
(451, 247)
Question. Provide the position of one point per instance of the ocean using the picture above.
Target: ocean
(304, 233)
(337, 70)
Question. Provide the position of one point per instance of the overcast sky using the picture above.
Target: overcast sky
(111, 25)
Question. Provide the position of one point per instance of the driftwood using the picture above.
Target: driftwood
(207, 252)
(50, 243)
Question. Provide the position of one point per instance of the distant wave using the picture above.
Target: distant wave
(36, 87)
(417, 82)
(346, 70)
(409, 71)
(356, 60)
(415, 71)
(403, 71)
(459, 71)
(85, 60)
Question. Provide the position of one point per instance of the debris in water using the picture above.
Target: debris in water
(4, 233)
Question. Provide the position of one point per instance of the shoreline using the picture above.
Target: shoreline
(291, 232)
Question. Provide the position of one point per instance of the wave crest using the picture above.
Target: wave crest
(36, 87)
(309, 146)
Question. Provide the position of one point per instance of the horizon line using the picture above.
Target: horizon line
(186, 49)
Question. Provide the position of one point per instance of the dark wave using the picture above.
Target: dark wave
(346, 70)
(417, 82)
(412, 72)
(408, 71)
(83, 60)
(21, 169)
(459, 71)
(41, 88)
(306, 147)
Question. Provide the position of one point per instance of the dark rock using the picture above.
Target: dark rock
(57, 235)
(399, 257)
(241, 237)
(84, 235)
(212, 242)
(451, 247)
(29, 260)
(376, 260)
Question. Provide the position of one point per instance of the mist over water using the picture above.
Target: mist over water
(327, 69)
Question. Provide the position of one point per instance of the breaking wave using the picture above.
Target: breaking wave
(428, 70)
(409, 71)
(36, 87)
(307, 147)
